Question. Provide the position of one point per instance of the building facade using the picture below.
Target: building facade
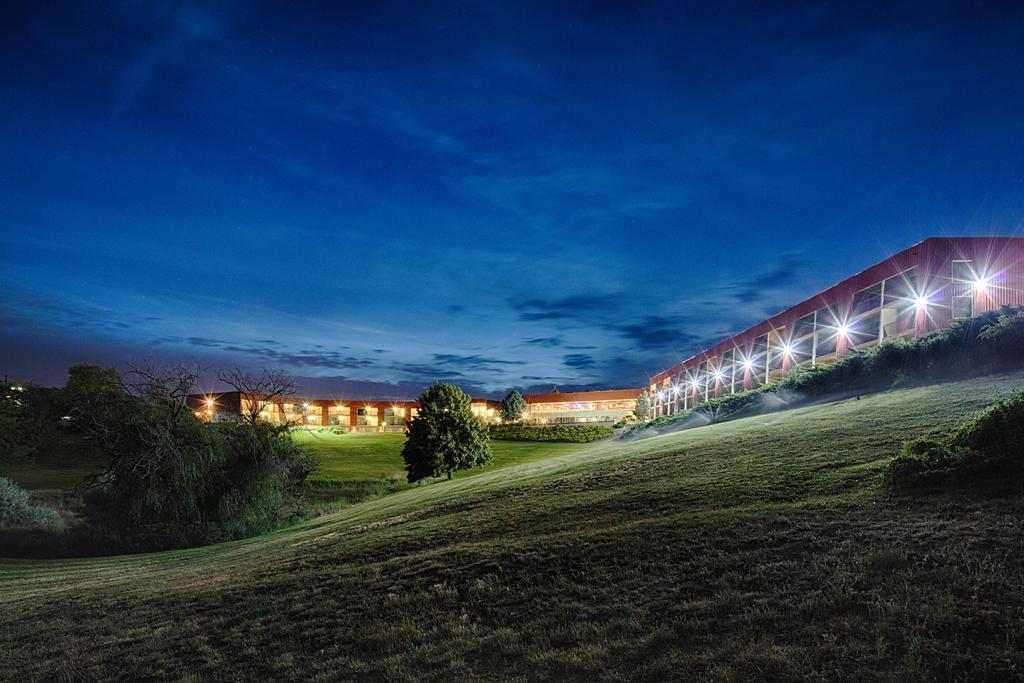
(580, 407)
(919, 290)
(350, 416)
(584, 407)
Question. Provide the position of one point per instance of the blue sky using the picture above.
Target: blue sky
(515, 194)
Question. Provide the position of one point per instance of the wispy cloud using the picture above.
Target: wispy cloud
(545, 342)
(578, 306)
(578, 360)
(781, 275)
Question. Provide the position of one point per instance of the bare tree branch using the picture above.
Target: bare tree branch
(258, 391)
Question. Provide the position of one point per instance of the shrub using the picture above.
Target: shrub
(625, 421)
(17, 510)
(990, 443)
(582, 433)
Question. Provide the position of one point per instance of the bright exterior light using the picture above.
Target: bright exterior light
(661, 395)
(748, 364)
(675, 390)
(787, 349)
(843, 329)
(980, 283)
(718, 374)
(921, 302)
(305, 405)
(209, 402)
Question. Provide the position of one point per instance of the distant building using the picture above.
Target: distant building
(350, 415)
(598, 407)
(921, 289)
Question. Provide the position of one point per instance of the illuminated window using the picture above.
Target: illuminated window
(899, 304)
(827, 335)
(758, 359)
(776, 349)
(963, 306)
(339, 415)
(963, 271)
(804, 327)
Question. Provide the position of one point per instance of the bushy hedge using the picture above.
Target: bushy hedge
(991, 443)
(17, 510)
(582, 433)
(989, 342)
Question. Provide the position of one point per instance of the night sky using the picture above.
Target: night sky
(376, 196)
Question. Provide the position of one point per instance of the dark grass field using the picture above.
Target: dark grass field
(764, 548)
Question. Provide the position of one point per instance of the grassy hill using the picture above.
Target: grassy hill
(759, 548)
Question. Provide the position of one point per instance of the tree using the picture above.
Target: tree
(91, 391)
(445, 436)
(643, 405)
(512, 406)
(173, 480)
(16, 440)
(258, 391)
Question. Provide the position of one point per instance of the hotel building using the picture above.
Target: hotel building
(584, 407)
(351, 416)
(919, 290)
(580, 407)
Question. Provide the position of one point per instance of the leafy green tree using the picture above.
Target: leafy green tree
(93, 393)
(15, 437)
(445, 436)
(512, 406)
(173, 480)
(643, 405)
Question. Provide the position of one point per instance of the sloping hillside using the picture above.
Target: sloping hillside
(762, 547)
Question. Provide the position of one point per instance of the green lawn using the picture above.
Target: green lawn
(763, 548)
(372, 456)
(353, 467)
